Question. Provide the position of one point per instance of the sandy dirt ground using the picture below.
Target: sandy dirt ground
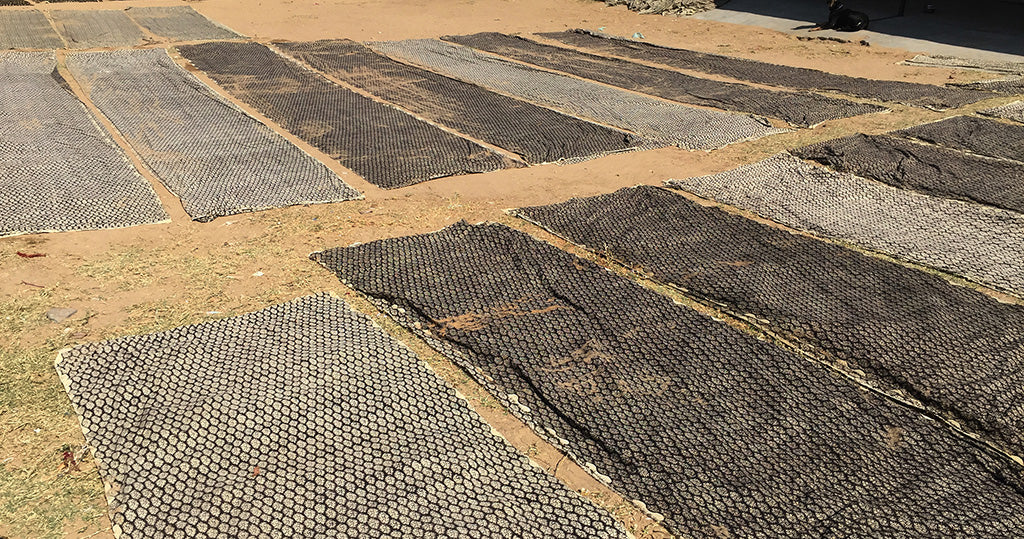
(156, 277)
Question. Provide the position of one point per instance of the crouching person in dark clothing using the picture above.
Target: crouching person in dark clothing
(843, 19)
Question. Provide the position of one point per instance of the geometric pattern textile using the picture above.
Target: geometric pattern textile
(91, 29)
(58, 169)
(719, 432)
(536, 134)
(797, 108)
(383, 144)
(215, 157)
(1010, 111)
(179, 23)
(982, 243)
(982, 136)
(799, 78)
(304, 419)
(932, 170)
(27, 30)
(684, 126)
(905, 329)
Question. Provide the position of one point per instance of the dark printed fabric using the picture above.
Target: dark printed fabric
(981, 243)
(58, 169)
(927, 169)
(687, 127)
(380, 143)
(302, 420)
(719, 432)
(179, 23)
(798, 78)
(800, 109)
(954, 350)
(216, 158)
(14, 3)
(978, 135)
(1010, 111)
(1011, 86)
(27, 30)
(537, 134)
(101, 28)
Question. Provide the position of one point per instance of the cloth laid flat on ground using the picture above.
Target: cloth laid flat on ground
(932, 170)
(384, 145)
(536, 134)
(215, 157)
(800, 109)
(978, 242)
(1010, 111)
(180, 23)
(27, 30)
(954, 350)
(995, 66)
(687, 127)
(60, 169)
(979, 135)
(101, 28)
(719, 432)
(1011, 86)
(304, 419)
(798, 78)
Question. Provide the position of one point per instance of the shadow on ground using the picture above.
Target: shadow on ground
(988, 29)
